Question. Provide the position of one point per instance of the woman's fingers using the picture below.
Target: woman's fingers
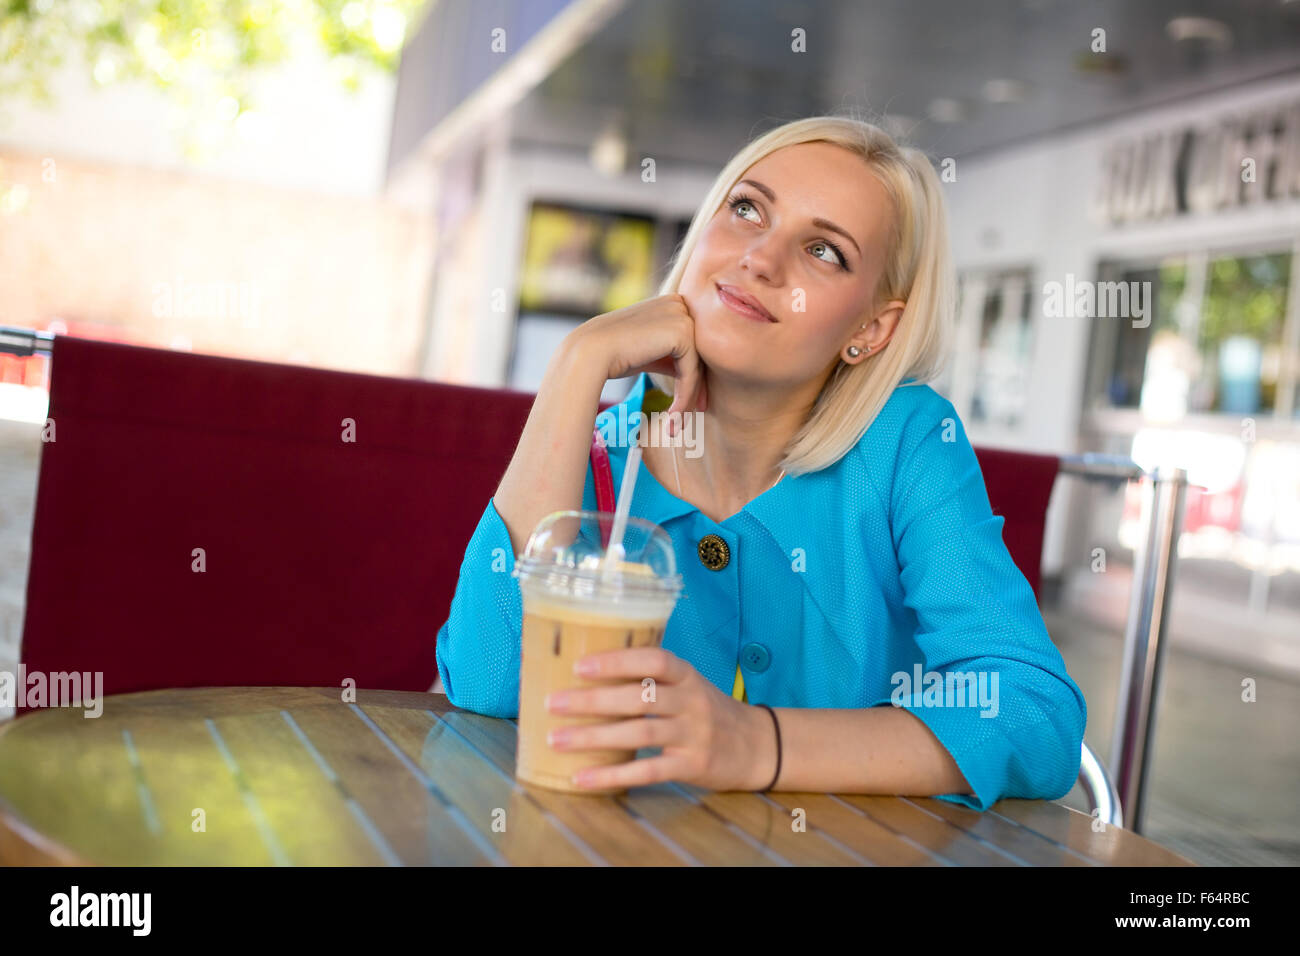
(632, 734)
(634, 773)
(688, 378)
(615, 700)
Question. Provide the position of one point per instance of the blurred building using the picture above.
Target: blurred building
(254, 229)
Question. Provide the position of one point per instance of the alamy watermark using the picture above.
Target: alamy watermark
(617, 428)
(949, 689)
(55, 689)
(182, 299)
(75, 908)
(1083, 299)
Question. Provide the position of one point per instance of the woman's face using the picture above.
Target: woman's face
(803, 232)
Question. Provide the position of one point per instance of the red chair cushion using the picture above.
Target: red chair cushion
(1020, 485)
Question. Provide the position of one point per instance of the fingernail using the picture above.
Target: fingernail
(557, 700)
(585, 665)
(557, 737)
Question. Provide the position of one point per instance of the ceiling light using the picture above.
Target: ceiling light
(609, 151)
(1005, 91)
(944, 109)
(1213, 32)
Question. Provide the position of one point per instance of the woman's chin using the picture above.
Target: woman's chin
(725, 349)
(724, 364)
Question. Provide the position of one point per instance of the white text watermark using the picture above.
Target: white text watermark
(949, 689)
(55, 689)
(1083, 299)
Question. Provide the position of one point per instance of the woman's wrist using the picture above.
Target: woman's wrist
(763, 749)
(572, 370)
(576, 351)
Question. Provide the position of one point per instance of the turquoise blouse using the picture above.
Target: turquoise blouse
(881, 580)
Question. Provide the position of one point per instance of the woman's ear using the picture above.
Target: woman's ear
(882, 327)
(873, 336)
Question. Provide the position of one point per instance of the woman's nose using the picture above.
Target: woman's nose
(763, 258)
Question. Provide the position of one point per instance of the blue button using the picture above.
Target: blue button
(754, 657)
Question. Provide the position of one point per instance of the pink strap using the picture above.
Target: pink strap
(603, 475)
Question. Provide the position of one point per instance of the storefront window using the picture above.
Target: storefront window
(1166, 283)
(1215, 342)
(1240, 340)
(1220, 345)
(997, 330)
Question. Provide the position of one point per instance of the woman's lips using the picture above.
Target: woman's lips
(741, 308)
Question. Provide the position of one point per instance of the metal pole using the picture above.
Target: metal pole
(1144, 644)
(25, 342)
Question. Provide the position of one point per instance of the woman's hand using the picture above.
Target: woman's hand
(655, 335)
(708, 739)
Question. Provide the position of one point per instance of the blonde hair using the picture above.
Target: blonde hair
(918, 270)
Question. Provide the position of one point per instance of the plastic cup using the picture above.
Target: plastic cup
(573, 608)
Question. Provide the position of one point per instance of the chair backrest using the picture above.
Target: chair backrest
(1019, 486)
(323, 558)
(325, 554)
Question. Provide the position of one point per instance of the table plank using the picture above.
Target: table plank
(182, 768)
(619, 836)
(706, 836)
(522, 831)
(1113, 846)
(681, 822)
(20, 845)
(313, 824)
(938, 836)
(413, 813)
(1032, 847)
(772, 824)
(146, 787)
(848, 825)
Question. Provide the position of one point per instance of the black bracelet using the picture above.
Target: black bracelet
(777, 725)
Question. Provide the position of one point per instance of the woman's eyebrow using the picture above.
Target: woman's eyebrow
(818, 222)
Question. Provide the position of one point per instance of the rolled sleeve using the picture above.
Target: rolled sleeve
(976, 615)
(478, 645)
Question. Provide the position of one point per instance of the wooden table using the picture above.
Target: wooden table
(298, 776)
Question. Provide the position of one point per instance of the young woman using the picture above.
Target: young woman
(842, 566)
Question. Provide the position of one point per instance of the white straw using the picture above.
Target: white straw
(615, 554)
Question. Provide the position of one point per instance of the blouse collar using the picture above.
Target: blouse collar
(653, 501)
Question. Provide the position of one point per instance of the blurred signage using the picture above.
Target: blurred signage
(1234, 161)
(585, 262)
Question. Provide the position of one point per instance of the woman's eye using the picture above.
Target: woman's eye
(831, 255)
(740, 202)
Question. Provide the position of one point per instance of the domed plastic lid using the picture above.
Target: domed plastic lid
(564, 560)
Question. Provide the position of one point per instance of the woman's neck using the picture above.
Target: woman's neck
(741, 441)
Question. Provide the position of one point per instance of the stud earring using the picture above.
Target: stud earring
(854, 351)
